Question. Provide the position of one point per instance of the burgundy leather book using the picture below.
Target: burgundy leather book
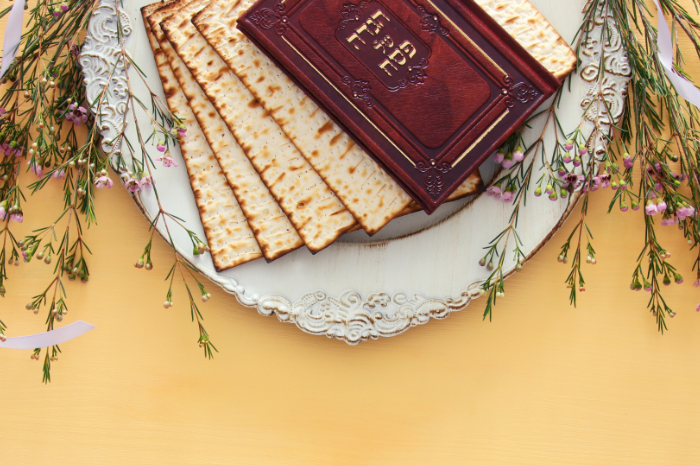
(429, 87)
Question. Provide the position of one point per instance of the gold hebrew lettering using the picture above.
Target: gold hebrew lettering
(408, 48)
(386, 42)
(383, 65)
(352, 38)
(401, 60)
(377, 14)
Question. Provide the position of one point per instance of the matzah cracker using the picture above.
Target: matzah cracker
(318, 215)
(231, 240)
(372, 196)
(272, 229)
(532, 30)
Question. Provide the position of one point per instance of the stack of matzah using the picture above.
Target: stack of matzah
(270, 170)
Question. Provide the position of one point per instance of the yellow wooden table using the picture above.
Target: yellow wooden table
(544, 383)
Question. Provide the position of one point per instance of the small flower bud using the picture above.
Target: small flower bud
(149, 266)
(490, 266)
(47, 260)
(482, 292)
(202, 247)
(139, 264)
(482, 261)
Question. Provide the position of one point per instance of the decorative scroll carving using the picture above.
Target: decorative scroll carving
(416, 73)
(351, 13)
(360, 90)
(520, 92)
(431, 22)
(433, 179)
(97, 58)
(604, 103)
(267, 18)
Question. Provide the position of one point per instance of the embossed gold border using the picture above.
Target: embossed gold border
(467, 37)
(483, 135)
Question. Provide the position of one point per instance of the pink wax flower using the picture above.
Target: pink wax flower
(103, 182)
(651, 209)
(697, 283)
(64, 7)
(697, 309)
(494, 191)
(3, 210)
(182, 132)
(518, 155)
(577, 161)
(167, 160)
(508, 161)
(59, 174)
(573, 179)
(146, 182)
(605, 180)
(661, 206)
(17, 217)
(508, 196)
(668, 220)
(627, 160)
(78, 115)
(582, 150)
(132, 185)
(567, 158)
(569, 145)
(685, 211)
(499, 157)
(35, 168)
(160, 146)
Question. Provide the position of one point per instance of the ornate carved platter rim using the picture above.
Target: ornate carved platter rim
(352, 316)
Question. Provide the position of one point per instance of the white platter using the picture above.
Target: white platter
(417, 268)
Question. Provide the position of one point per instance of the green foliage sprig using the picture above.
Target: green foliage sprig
(45, 129)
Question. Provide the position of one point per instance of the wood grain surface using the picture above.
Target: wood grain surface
(543, 384)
